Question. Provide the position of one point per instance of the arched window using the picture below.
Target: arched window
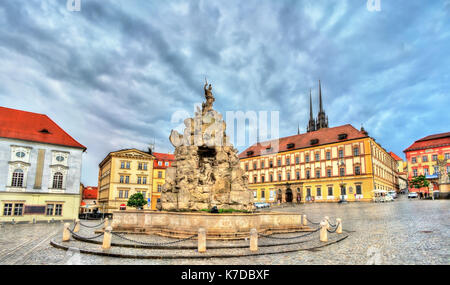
(57, 180)
(17, 178)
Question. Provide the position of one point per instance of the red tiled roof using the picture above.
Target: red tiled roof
(17, 124)
(396, 157)
(325, 136)
(432, 141)
(90, 192)
(163, 156)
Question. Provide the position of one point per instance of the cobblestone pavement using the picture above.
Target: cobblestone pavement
(400, 232)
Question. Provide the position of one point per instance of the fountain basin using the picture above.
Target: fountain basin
(217, 226)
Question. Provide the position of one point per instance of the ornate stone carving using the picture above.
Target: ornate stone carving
(206, 172)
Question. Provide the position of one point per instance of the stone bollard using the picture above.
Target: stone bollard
(323, 231)
(106, 223)
(107, 238)
(77, 226)
(327, 219)
(201, 240)
(305, 221)
(66, 232)
(253, 240)
(339, 226)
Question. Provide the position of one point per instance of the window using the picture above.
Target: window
(139, 179)
(308, 192)
(140, 166)
(270, 163)
(166, 163)
(254, 194)
(122, 164)
(262, 179)
(447, 156)
(424, 158)
(126, 193)
(330, 191)
(145, 166)
(288, 176)
(328, 155)
(358, 190)
(7, 209)
(158, 200)
(357, 170)
(18, 209)
(128, 165)
(263, 194)
(328, 172)
(262, 164)
(57, 180)
(127, 179)
(434, 157)
(342, 171)
(307, 158)
(17, 178)
(413, 160)
(160, 163)
(121, 194)
(317, 173)
(50, 208)
(279, 162)
(20, 154)
(58, 210)
(144, 194)
(307, 174)
(255, 179)
(160, 174)
(254, 165)
(60, 158)
(121, 179)
(414, 172)
(246, 167)
(317, 158)
(297, 160)
(271, 177)
(297, 175)
(341, 153)
(288, 161)
(318, 192)
(356, 151)
(159, 187)
(425, 171)
(144, 180)
(279, 176)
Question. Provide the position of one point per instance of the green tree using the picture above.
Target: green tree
(419, 182)
(136, 200)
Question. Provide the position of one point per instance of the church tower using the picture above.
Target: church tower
(312, 123)
(322, 118)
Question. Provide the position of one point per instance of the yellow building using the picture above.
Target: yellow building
(326, 165)
(322, 165)
(123, 173)
(161, 163)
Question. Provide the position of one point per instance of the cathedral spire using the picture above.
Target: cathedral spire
(312, 123)
(322, 118)
(320, 98)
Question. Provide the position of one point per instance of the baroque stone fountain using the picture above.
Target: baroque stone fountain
(206, 173)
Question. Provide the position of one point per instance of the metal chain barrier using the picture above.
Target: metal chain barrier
(152, 243)
(94, 237)
(312, 222)
(91, 227)
(272, 237)
(335, 228)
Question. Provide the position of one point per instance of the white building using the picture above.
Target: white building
(40, 169)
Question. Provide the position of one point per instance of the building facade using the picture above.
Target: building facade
(161, 163)
(322, 165)
(422, 158)
(402, 172)
(89, 199)
(40, 169)
(123, 173)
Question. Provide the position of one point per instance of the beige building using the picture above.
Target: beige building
(123, 173)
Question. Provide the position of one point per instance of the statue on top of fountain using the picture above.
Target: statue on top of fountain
(207, 106)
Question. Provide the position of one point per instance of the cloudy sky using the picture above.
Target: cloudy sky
(114, 74)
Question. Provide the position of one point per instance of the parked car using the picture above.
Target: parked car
(413, 195)
(393, 194)
(260, 205)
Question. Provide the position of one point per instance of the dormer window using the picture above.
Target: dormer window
(250, 153)
(20, 154)
(290, 145)
(44, 131)
(314, 141)
(342, 136)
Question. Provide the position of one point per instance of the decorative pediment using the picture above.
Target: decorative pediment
(133, 154)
